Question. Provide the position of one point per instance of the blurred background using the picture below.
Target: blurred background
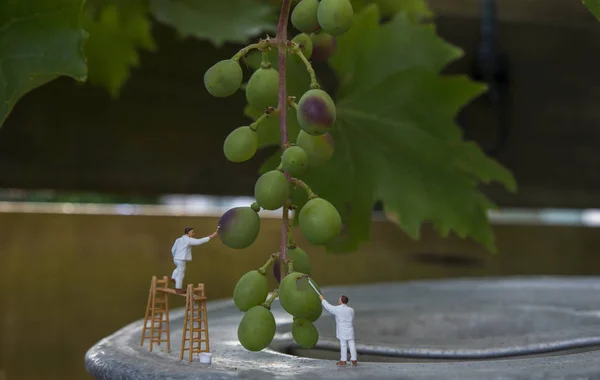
(95, 189)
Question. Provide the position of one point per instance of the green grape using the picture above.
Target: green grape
(304, 333)
(318, 148)
(305, 43)
(262, 90)
(251, 290)
(316, 112)
(257, 328)
(240, 145)
(324, 45)
(239, 227)
(304, 16)
(224, 78)
(314, 313)
(304, 303)
(294, 160)
(320, 221)
(271, 190)
(300, 260)
(335, 16)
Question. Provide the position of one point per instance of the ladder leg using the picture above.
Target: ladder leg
(168, 325)
(205, 320)
(190, 295)
(148, 305)
(153, 311)
(185, 326)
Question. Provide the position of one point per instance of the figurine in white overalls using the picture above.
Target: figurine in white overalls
(344, 331)
(182, 253)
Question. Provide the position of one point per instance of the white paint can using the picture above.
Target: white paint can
(205, 357)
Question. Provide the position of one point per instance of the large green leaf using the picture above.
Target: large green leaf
(117, 30)
(593, 6)
(39, 41)
(396, 139)
(217, 21)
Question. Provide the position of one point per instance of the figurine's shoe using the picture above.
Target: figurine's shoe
(340, 363)
(354, 363)
(180, 291)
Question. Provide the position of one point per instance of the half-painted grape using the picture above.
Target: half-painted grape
(223, 78)
(271, 190)
(304, 16)
(300, 260)
(324, 45)
(251, 290)
(257, 328)
(240, 145)
(305, 43)
(239, 227)
(304, 333)
(335, 16)
(301, 303)
(320, 221)
(294, 160)
(262, 90)
(316, 112)
(318, 148)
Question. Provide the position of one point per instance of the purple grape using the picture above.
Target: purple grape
(239, 227)
(316, 112)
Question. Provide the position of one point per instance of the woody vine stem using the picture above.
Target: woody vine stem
(281, 38)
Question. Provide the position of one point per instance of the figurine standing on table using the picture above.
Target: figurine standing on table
(344, 330)
(182, 253)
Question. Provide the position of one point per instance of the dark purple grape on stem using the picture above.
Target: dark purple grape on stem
(277, 270)
(316, 112)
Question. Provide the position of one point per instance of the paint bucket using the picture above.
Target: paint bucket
(205, 357)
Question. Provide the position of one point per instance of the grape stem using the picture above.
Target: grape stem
(295, 48)
(290, 264)
(290, 237)
(271, 298)
(263, 270)
(303, 185)
(268, 112)
(281, 39)
(260, 45)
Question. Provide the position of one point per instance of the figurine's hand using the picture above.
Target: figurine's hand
(321, 297)
(214, 234)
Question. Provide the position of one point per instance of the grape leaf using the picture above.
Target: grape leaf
(216, 21)
(396, 139)
(116, 34)
(39, 41)
(593, 6)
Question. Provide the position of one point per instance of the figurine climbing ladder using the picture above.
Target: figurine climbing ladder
(157, 313)
(195, 322)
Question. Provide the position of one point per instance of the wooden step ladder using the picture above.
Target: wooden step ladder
(195, 322)
(157, 313)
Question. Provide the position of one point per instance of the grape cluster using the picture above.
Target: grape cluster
(318, 22)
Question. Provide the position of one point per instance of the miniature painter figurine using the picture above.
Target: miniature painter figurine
(182, 253)
(344, 317)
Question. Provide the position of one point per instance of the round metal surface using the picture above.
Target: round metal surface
(507, 328)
